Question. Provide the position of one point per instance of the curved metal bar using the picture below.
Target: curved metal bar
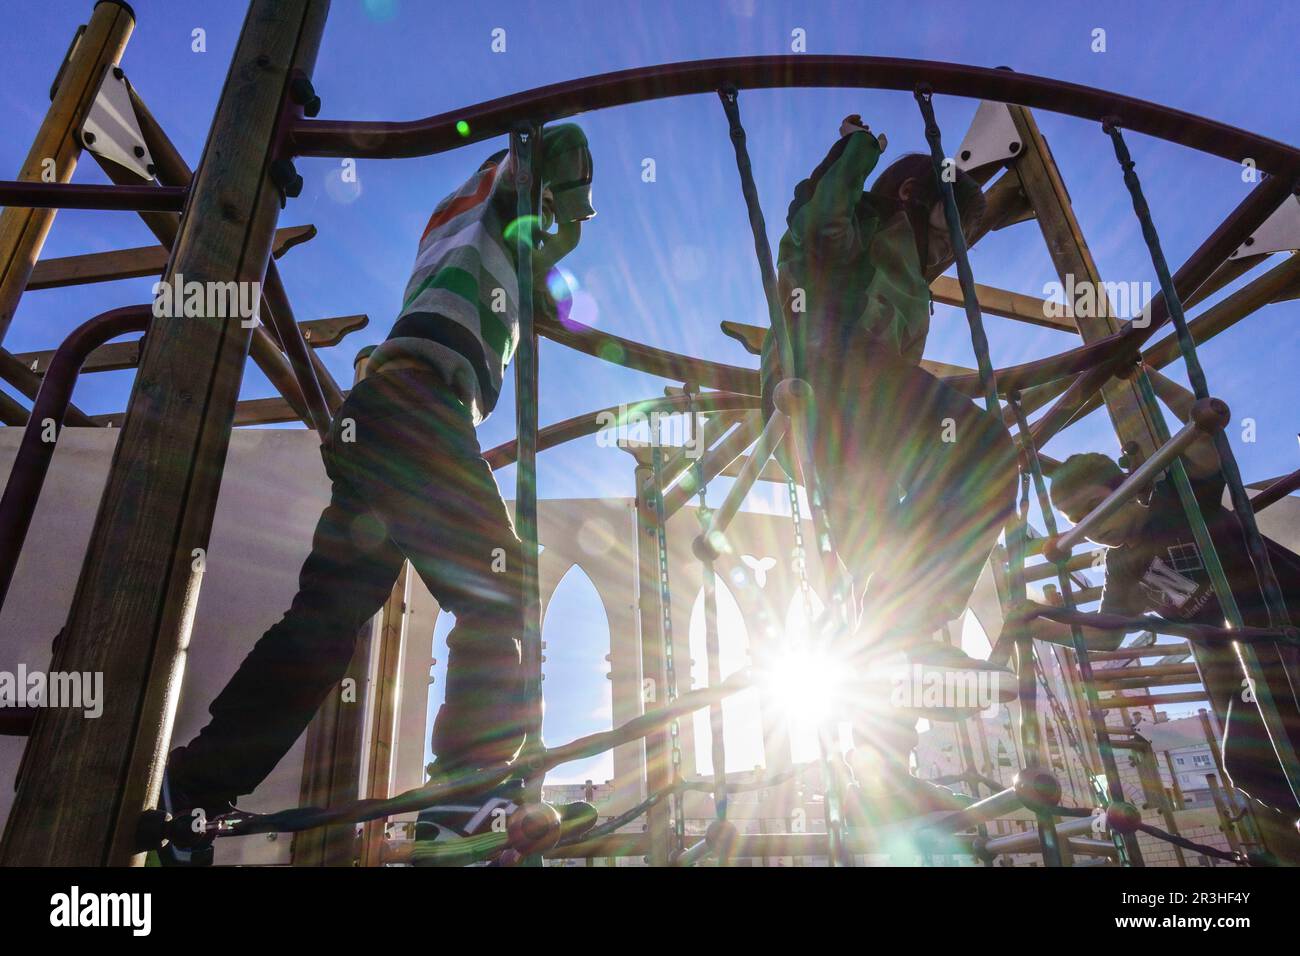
(1196, 633)
(361, 811)
(1275, 492)
(647, 358)
(436, 134)
(590, 423)
(32, 462)
(1102, 353)
(31, 195)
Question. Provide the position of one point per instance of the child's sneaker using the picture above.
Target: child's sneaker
(184, 847)
(461, 832)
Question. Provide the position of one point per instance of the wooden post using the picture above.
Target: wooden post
(88, 781)
(384, 694)
(1149, 770)
(1043, 186)
(331, 765)
(95, 47)
(1177, 790)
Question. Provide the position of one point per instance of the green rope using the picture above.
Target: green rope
(1127, 845)
(1029, 728)
(730, 98)
(957, 237)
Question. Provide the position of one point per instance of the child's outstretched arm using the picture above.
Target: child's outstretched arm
(827, 222)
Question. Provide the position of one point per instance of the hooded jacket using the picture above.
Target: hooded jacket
(848, 272)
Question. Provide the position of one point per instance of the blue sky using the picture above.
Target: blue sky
(664, 262)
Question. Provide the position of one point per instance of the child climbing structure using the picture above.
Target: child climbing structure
(98, 783)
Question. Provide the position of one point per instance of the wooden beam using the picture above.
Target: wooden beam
(385, 692)
(1108, 675)
(86, 782)
(251, 411)
(131, 263)
(319, 333)
(1152, 700)
(172, 170)
(1042, 183)
(23, 229)
(1001, 302)
(16, 374)
(1047, 570)
(752, 336)
(331, 766)
(1145, 683)
(1134, 653)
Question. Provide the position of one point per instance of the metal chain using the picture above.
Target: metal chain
(717, 723)
(666, 608)
(800, 557)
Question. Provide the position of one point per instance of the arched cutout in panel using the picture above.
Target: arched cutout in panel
(579, 695)
(743, 729)
(437, 676)
(802, 722)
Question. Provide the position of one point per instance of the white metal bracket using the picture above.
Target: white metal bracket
(111, 129)
(992, 137)
(1280, 232)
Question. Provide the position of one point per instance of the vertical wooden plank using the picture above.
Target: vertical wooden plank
(331, 766)
(88, 780)
(23, 231)
(385, 693)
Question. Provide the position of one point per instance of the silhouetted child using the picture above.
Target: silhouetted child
(918, 480)
(1153, 566)
(410, 483)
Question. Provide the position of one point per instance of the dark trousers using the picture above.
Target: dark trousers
(919, 481)
(409, 481)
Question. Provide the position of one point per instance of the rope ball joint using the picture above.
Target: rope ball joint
(1037, 789)
(1123, 817)
(705, 549)
(1211, 415)
(722, 837)
(792, 397)
(533, 828)
(1053, 552)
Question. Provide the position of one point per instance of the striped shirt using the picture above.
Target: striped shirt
(460, 311)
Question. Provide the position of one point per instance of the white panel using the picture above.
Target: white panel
(274, 491)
